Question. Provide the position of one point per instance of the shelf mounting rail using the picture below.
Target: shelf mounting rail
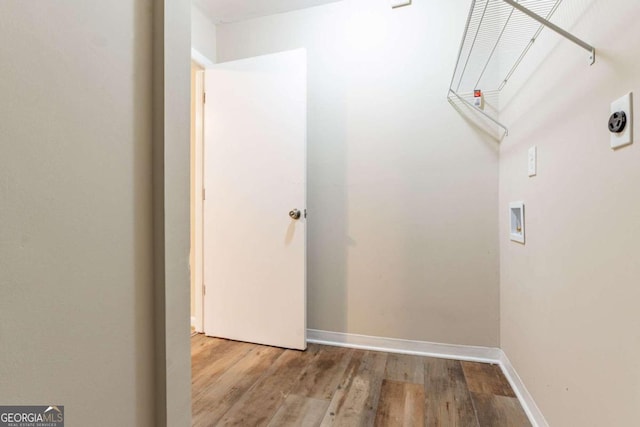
(489, 13)
(554, 27)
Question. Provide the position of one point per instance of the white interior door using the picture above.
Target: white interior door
(255, 175)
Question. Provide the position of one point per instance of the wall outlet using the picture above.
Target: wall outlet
(532, 164)
(620, 139)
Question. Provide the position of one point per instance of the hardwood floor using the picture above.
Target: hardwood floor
(240, 384)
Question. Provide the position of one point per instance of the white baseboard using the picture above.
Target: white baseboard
(394, 345)
(526, 400)
(445, 351)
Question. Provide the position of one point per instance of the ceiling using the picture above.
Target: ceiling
(223, 11)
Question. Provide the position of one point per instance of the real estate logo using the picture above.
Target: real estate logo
(32, 416)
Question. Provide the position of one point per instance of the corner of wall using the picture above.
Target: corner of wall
(203, 38)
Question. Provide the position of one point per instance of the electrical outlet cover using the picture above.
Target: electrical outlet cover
(626, 136)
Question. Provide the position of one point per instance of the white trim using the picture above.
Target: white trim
(394, 345)
(526, 400)
(198, 193)
(491, 355)
(200, 59)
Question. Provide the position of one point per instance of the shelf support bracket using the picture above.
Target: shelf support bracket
(586, 46)
(469, 104)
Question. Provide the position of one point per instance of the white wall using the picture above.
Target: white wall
(76, 245)
(569, 297)
(402, 191)
(203, 34)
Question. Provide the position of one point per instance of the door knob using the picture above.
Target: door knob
(295, 214)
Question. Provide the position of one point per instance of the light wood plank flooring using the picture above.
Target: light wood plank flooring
(240, 384)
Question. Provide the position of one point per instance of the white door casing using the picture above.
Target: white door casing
(198, 202)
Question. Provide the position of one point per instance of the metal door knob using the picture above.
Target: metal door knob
(295, 214)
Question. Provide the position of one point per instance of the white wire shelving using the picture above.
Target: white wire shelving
(497, 36)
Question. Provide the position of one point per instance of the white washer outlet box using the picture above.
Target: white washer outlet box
(624, 104)
(532, 161)
(516, 221)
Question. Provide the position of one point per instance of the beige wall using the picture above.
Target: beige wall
(76, 298)
(402, 191)
(569, 298)
(171, 118)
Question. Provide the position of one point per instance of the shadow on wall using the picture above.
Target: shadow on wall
(143, 212)
(327, 197)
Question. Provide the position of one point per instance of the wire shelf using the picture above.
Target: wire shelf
(497, 36)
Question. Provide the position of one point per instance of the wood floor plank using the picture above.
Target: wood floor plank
(405, 368)
(259, 404)
(245, 384)
(499, 411)
(401, 405)
(447, 399)
(207, 349)
(203, 352)
(197, 341)
(201, 346)
(356, 401)
(213, 402)
(300, 411)
(221, 356)
(486, 378)
(321, 378)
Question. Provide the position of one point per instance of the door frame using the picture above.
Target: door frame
(201, 59)
(197, 192)
(170, 43)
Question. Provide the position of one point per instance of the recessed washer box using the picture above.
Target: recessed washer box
(516, 221)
